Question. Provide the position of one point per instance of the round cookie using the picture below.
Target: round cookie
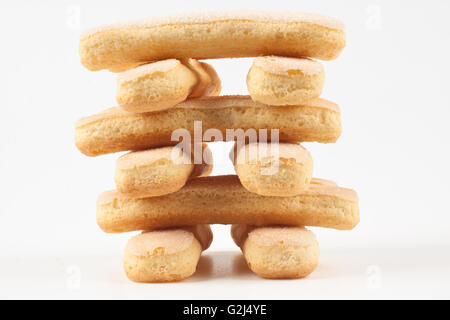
(165, 255)
(159, 171)
(283, 81)
(274, 169)
(278, 252)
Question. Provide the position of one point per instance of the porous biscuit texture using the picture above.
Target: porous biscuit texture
(155, 86)
(285, 81)
(274, 169)
(159, 171)
(163, 84)
(223, 200)
(278, 252)
(116, 130)
(213, 35)
(166, 255)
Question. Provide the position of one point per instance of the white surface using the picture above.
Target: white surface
(419, 273)
(391, 83)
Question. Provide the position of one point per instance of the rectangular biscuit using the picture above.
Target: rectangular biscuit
(223, 200)
(212, 35)
(116, 130)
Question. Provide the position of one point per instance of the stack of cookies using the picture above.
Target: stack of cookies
(169, 107)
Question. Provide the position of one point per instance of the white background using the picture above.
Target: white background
(393, 88)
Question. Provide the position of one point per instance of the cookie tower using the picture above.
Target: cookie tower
(165, 93)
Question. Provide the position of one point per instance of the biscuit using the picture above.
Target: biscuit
(282, 81)
(274, 169)
(125, 67)
(278, 252)
(116, 130)
(215, 87)
(159, 171)
(154, 86)
(208, 81)
(202, 159)
(163, 84)
(223, 200)
(212, 35)
(166, 255)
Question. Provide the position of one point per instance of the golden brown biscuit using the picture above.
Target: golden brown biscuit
(278, 252)
(216, 85)
(203, 161)
(159, 171)
(166, 255)
(223, 200)
(208, 82)
(163, 84)
(125, 67)
(283, 81)
(154, 86)
(212, 35)
(116, 130)
(274, 169)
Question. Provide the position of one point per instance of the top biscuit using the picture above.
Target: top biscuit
(212, 35)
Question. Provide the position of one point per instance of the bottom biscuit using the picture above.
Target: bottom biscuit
(278, 252)
(166, 255)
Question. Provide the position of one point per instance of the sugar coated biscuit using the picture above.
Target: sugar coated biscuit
(278, 252)
(203, 161)
(163, 84)
(166, 255)
(215, 87)
(116, 130)
(159, 171)
(154, 86)
(125, 67)
(212, 35)
(285, 81)
(208, 81)
(223, 200)
(274, 169)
